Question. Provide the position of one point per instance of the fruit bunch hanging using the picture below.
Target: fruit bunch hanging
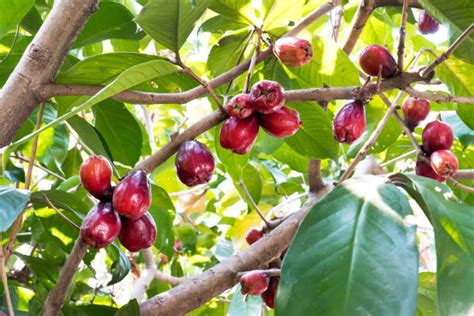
(121, 212)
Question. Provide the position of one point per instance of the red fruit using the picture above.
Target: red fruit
(269, 295)
(178, 246)
(254, 282)
(267, 96)
(96, 177)
(194, 163)
(101, 226)
(426, 24)
(423, 169)
(415, 111)
(282, 123)
(132, 196)
(444, 163)
(239, 135)
(138, 234)
(253, 235)
(437, 135)
(293, 51)
(349, 123)
(374, 56)
(240, 106)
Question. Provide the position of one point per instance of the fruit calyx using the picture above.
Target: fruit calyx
(444, 162)
(240, 106)
(267, 96)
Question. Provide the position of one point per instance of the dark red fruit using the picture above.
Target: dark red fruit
(101, 226)
(132, 196)
(240, 106)
(194, 163)
(138, 234)
(267, 96)
(269, 295)
(437, 135)
(444, 163)
(349, 123)
(96, 177)
(239, 135)
(415, 111)
(292, 51)
(424, 169)
(374, 56)
(254, 282)
(253, 235)
(426, 24)
(282, 123)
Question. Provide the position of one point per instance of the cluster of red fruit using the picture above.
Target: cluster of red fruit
(122, 211)
(259, 282)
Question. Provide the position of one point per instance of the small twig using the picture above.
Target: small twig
(465, 174)
(13, 45)
(255, 206)
(337, 23)
(426, 71)
(460, 185)
(373, 137)
(239, 60)
(379, 78)
(269, 272)
(59, 213)
(6, 290)
(401, 42)
(41, 168)
(440, 98)
(405, 155)
(17, 224)
(253, 61)
(192, 190)
(316, 182)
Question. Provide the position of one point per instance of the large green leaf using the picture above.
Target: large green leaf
(225, 54)
(457, 16)
(120, 131)
(162, 210)
(12, 202)
(60, 199)
(12, 12)
(238, 10)
(352, 255)
(127, 79)
(314, 138)
(90, 136)
(131, 309)
(171, 22)
(112, 20)
(121, 265)
(460, 130)
(277, 13)
(454, 238)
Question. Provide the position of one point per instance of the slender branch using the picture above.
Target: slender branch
(6, 290)
(253, 60)
(316, 181)
(17, 224)
(357, 25)
(426, 71)
(465, 174)
(255, 206)
(51, 173)
(373, 137)
(460, 185)
(401, 157)
(440, 98)
(313, 16)
(401, 42)
(56, 297)
(4, 59)
(59, 213)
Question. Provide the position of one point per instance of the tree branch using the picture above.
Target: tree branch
(6, 290)
(316, 181)
(440, 98)
(460, 185)
(401, 42)
(358, 22)
(465, 174)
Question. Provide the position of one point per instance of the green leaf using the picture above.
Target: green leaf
(162, 210)
(277, 13)
(120, 131)
(454, 239)
(290, 157)
(170, 22)
(238, 10)
(250, 306)
(90, 136)
(112, 20)
(121, 265)
(127, 79)
(426, 301)
(352, 255)
(12, 202)
(460, 130)
(225, 54)
(60, 199)
(253, 182)
(72, 163)
(131, 309)
(314, 138)
(221, 24)
(12, 12)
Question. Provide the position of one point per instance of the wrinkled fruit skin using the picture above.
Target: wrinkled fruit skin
(96, 177)
(270, 294)
(282, 123)
(132, 196)
(253, 235)
(267, 96)
(138, 234)
(239, 135)
(436, 136)
(349, 122)
(444, 163)
(423, 169)
(426, 24)
(240, 106)
(101, 226)
(194, 163)
(415, 110)
(292, 51)
(373, 56)
(254, 282)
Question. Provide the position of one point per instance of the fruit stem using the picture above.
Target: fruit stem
(405, 155)
(460, 185)
(255, 206)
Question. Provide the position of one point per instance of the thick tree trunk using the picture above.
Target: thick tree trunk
(40, 63)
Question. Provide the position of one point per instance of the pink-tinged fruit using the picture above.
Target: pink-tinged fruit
(101, 226)
(424, 169)
(239, 135)
(254, 282)
(96, 177)
(240, 106)
(426, 24)
(269, 295)
(373, 57)
(415, 110)
(194, 163)
(349, 122)
(292, 51)
(138, 234)
(267, 96)
(444, 163)
(436, 135)
(132, 196)
(282, 123)
(253, 235)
